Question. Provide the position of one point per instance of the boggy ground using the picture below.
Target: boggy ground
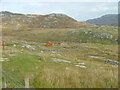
(80, 63)
(80, 68)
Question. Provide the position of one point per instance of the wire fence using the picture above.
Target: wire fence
(9, 81)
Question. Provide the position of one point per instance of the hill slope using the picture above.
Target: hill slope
(109, 19)
(39, 21)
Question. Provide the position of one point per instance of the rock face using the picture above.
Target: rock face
(110, 19)
(28, 46)
(54, 20)
(112, 62)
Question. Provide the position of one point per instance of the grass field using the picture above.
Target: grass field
(82, 66)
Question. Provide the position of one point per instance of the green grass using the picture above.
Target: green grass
(45, 73)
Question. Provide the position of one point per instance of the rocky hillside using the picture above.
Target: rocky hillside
(109, 19)
(39, 21)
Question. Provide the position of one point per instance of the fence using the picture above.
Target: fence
(9, 81)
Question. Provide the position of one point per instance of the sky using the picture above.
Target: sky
(79, 10)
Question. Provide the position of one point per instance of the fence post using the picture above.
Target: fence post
(5, 84)
(26, 82)
(3, 45)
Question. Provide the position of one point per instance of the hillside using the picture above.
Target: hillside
(87, 52)
(54, 27)
(54, 20)
(84, 54)
(109, 19)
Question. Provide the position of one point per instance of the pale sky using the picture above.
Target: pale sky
(78, 10)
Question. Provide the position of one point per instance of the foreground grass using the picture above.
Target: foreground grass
(45, 73)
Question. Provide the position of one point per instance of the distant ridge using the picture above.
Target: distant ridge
(109, 19)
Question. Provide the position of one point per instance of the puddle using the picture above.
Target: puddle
(80, 63)
(61, 60)
(38, 54)
(58, 54)
(61, 50)
(80, 66)
(95, 57)
(53, 52)
(4, 59)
